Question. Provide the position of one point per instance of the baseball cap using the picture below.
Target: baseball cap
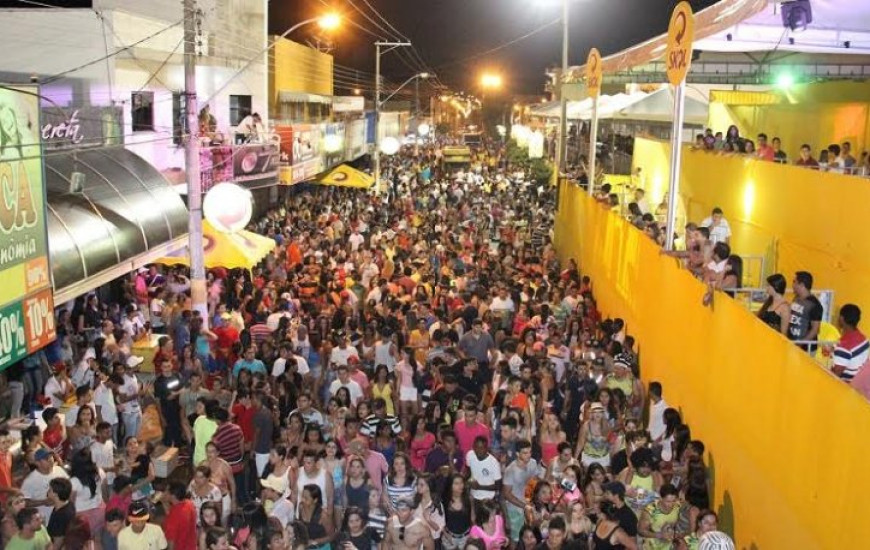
(138, 511)
(614, 488)
(622, 360)
(273, 483)
(42, 454)
(403, 503)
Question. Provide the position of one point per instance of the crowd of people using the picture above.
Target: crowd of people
(408, 370)
(834, 158)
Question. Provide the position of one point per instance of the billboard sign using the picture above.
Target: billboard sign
(348, 104)
(26, 301)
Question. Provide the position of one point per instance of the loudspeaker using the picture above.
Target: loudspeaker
(796, 14)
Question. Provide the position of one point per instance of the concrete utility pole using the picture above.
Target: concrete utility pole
(377, 153)
(191, 157)
(563, 101)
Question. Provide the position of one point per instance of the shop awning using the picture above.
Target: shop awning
(230, 250)
(285, 96)
(125, 216)
(345, 176)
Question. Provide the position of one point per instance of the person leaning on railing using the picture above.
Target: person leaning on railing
(776, 310)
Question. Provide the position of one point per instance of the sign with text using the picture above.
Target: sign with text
(81, 127)
(594, 72)
(24, 270)
(348, 104)
(681, 34)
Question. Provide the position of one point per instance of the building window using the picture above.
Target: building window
(179, 118)
(240, 107)
(143, 111)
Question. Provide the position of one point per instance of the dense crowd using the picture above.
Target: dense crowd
(408, 370)
(834, 158)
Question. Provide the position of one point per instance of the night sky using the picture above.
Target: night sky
(447, 34)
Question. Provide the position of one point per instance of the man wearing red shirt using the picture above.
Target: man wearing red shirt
(180, 523)
(230, 443)
(806, 157)
(764, 151)
(243, 415)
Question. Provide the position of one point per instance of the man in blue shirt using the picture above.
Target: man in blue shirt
(250, 362)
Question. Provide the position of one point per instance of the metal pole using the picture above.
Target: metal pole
(563, 101)
(593, 149)
(676, 151)
(191, 158)
(377, 153)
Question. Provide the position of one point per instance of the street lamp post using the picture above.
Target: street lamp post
(563, 101)
(377, 153)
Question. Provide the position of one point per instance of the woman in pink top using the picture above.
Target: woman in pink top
(550, 435)
(408, 399)
(489, 528)
(422, 442)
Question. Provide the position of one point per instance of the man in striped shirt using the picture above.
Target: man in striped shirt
(230, 442)
(853, 349)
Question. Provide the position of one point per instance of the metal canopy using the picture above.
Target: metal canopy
(125, 215)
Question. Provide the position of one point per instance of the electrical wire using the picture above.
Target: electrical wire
(500, 46)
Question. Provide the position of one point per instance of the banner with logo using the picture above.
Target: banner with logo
(333, 144)
(26, 303)
(255, 161)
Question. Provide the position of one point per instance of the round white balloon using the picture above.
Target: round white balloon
(423, 129)
(228, 207)
(390, 146)
(332, 143)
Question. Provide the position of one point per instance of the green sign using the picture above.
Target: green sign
(25, 280)
(13, 340)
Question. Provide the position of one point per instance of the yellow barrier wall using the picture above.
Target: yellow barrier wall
(786, 439)
(817, 219)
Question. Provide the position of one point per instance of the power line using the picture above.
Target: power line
(500, 46)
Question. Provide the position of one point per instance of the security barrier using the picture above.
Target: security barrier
(786, 439)
(814, 219)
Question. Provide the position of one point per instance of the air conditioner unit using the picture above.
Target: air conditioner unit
(796, 14)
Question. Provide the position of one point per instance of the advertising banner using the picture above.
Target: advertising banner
(333, 144)
(81, 127)
(255, 162)
(26, 304)
(355, 142)
(348, 104)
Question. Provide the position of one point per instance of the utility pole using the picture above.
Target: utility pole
(563, 101)
(191, 157)
(377, 153)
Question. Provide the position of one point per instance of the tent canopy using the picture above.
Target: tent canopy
(346, 176)
(243, 249)
(835, 22)
(657, 106)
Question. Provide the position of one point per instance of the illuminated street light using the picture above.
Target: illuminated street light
(329, 21)
(489, 80)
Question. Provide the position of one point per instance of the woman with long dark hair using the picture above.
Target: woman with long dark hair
(776, 310)
(313, 514)
(458, 513)
(87, 485)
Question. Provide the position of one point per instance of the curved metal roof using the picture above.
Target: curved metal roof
(125, 210)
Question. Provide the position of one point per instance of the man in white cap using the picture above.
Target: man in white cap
(715, 540)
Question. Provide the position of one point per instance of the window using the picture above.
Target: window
(179, 118)
(240, 107)
(143, 111)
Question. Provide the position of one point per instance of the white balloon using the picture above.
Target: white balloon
(228, 207)
(390, 146)
(423, 129)
(332, 143)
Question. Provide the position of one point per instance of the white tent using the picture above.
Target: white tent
(657, 106)
(835, 23)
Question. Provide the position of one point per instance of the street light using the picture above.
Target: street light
(329, 21)
(491, 81)
(377, 152)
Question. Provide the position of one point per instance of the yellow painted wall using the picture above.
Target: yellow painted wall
(297, 68)
(786, 440)
(816, 219)
(818, 114)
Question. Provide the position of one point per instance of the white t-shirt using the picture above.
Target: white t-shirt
(52, 387)
(485, 472)
(284, 511)
(35, 487)
(502, 305)
(355, 241)
(130, 387)
(103, 455)
(720, 232)
(353, 387)
(105, 400)
(340, 356)
(151, 538)
(656, 426)
(84, 501)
